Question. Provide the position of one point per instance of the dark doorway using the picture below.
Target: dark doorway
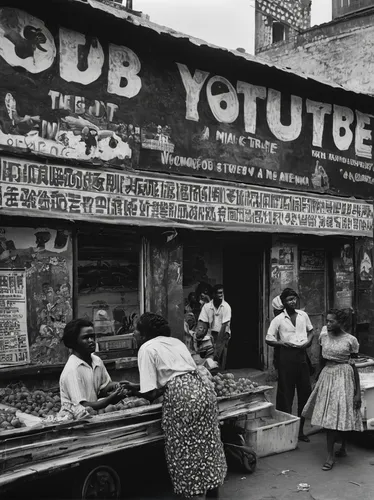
(242, 272)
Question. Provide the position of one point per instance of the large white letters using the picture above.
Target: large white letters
(25, 41)
(124, 66)
(193, 86)
(225, 105)
(342, 119)
(251, 94)
(273, 112)
(319, 110)
(70, 43)
(363, 134)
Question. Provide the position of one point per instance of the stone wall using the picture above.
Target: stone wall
(340, 51)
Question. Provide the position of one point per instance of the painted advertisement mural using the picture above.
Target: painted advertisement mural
(132, 198)
(45, 255)
(80, 98)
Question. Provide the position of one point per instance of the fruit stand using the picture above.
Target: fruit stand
(36, 444)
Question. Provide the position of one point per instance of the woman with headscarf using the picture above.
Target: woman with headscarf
(193, 447)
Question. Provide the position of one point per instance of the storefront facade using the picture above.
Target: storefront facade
(130, 171)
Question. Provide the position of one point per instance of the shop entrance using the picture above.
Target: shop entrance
(242, 271)
(236, 262)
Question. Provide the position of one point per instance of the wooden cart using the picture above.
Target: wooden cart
(41, 450)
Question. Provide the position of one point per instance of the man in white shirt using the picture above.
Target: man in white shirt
(292, 332)
(217, 315)
(84, 380)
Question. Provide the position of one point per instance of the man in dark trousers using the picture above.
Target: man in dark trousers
(292, 332)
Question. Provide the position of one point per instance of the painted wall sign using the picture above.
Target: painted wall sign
(68, 95)
(14, 346)
(60, 191)
(46, 256)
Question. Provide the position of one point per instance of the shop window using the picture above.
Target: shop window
(108, 282)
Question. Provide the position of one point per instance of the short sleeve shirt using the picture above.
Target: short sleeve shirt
(338, 348)
(160, 359)
(216, 317)
(281, 328)
(82, 382)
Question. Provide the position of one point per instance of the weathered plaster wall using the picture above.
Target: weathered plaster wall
(340, 51)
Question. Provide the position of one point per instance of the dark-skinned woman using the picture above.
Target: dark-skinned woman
(336, 399)
(193, 447)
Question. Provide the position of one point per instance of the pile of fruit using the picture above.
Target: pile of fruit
(226, 385)
(47, 404)
(125, 404)
(9, 420)
(37, 403)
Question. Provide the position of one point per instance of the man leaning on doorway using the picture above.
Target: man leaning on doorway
(217, 315)
(292, 332)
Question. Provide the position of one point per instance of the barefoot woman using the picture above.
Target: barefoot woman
(336, 399)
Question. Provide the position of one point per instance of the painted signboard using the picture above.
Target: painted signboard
(168, 107)
(46, 256)
(133, 198)
(14, 346)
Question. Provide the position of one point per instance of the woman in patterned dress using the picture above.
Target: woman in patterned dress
(336, 399)
(193, 447)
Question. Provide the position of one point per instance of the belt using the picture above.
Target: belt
(332, 362)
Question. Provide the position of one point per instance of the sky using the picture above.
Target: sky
(226, 23)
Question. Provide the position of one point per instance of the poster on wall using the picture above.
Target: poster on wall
(14, 345)
(68, 95)
(46, 256)
(312, 260)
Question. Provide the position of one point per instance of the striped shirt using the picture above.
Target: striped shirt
(82, 382)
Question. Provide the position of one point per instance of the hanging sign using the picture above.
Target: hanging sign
(132, 198)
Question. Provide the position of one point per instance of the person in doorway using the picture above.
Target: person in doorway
(204, 293)
(84, 380)
(278, 307)
(193, 306)
(292, 332)
(193, 447)
(217, 315)
(336, 399)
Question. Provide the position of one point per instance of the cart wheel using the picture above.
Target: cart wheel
(249, 460)
(101, 482)
(241, 457)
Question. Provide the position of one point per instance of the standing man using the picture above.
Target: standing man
(292, 332)
(217, 315)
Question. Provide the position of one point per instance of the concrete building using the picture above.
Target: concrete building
(339, 51)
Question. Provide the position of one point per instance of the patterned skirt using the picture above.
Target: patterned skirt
(331, 403)
(193, 447)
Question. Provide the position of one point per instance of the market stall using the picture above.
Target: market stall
(35, 447)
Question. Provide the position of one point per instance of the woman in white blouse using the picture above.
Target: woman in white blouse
(193, 447)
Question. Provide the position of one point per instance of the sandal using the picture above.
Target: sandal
(328, 466)
(341, 453)
(304, 438)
